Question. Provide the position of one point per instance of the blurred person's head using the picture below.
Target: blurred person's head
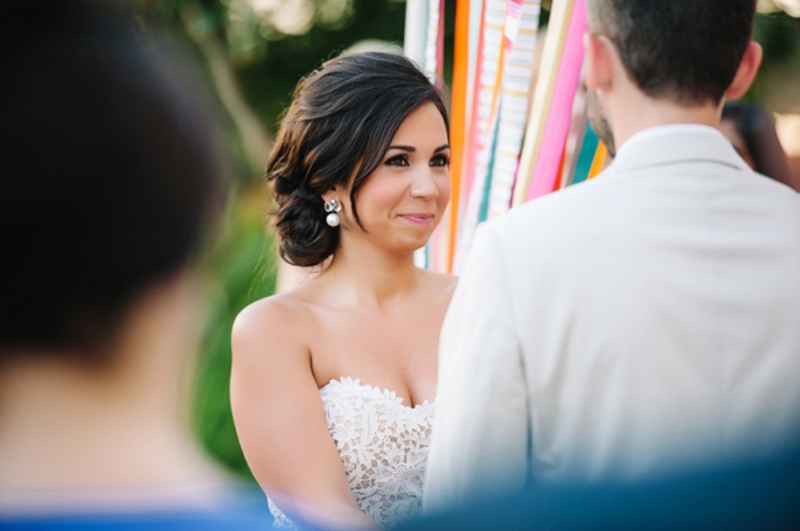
(650, 61)
(111, 182)
(110, 178)
(337, 141)
(752, 133)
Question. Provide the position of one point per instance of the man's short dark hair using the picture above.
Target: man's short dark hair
(686, 50)
(110, 175)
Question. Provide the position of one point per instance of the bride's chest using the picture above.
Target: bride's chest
(383, 445)
(399, 356)
(371, 419)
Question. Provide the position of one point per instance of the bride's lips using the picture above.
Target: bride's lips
(418, 219)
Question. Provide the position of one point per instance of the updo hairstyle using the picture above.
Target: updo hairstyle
(340, 124)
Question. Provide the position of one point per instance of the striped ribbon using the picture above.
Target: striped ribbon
(499, 160)
(557, 28)
(487, 91)
(551, 152)
(475, 52)
(500, 29)
(460, 123)
(434, 48)
(518, 73)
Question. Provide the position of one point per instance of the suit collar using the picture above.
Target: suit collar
(673, 144)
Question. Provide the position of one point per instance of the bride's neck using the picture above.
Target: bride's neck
(372, 271)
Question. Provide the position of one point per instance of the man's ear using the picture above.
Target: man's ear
(598, 61)
(748, 68)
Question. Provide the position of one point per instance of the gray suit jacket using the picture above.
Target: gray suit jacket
(642, 323)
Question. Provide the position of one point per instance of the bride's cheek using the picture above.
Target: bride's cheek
(444, 191)
(384, 191)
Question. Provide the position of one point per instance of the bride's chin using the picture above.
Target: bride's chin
(404, 242)
(406, 246)
(417, 245)
(420, 238)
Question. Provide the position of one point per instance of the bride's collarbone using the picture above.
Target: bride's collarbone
(412, 378)
(393, 350)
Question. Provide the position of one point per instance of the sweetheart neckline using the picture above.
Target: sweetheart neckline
(385, 393)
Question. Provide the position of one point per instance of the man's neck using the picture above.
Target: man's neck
(636, 112)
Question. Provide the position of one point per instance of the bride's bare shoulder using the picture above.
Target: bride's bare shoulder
(269, 311)
(274, 324)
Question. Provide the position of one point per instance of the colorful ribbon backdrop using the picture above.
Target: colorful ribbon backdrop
(510, 144)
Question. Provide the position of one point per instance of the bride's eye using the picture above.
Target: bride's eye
(398, 160)
(440, 161)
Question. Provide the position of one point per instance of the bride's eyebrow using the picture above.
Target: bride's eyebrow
(412, 149)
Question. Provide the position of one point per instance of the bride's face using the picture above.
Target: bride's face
(403, 200)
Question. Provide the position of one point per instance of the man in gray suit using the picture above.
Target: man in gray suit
(645, 323)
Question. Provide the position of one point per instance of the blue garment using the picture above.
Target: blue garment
(246, 513)
(755, 496)
(135, 522)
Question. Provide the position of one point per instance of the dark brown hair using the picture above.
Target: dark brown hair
(686, 50)
(339, 126)
(111, 175)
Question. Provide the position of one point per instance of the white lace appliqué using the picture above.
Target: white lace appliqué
(383, 445)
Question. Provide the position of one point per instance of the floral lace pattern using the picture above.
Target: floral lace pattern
(383, 445)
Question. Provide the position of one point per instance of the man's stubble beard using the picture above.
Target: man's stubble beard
(594, 111)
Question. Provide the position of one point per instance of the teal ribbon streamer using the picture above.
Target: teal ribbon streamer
(487, 189)
(586, 156)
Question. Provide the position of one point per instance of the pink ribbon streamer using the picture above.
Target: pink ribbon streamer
(558, 120)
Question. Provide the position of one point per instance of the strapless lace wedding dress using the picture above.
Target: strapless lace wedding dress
(384, 449)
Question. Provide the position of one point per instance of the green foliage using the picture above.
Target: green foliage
(775, 87)
(243, 269)
(779, 35)
(268, 80)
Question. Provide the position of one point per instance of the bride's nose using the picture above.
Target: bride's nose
(424, 184)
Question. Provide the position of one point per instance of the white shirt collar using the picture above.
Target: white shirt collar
(663, 130)
(673, 143)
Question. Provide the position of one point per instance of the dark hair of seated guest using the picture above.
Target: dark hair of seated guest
(753, 135)
(110, 181)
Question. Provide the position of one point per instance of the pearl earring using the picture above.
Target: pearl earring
(333, 207)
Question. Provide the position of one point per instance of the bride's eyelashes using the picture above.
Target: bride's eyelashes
(440, 161)
(402, 160)
(397, 160)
